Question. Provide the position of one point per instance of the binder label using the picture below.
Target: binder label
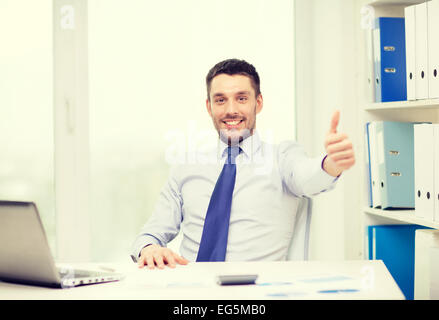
(389, 48)
(389, 70)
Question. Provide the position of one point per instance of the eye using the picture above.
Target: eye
(219, 100)
(242, 98)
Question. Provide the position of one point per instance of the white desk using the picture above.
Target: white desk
(360, 279)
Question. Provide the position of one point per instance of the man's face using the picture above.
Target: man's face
(233, 107)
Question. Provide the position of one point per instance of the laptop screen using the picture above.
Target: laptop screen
(25, 255)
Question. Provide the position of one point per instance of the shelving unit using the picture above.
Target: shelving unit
(418, 110)
(401, 216)
(386, 3)
(403, 105)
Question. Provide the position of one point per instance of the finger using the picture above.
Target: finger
(335, 137)
(169, 259)
(180, 259)
(141, 261)
(344, 145)
(334, 121)
(150, 262)
(158, 258)
(345, 154)
(345, 163)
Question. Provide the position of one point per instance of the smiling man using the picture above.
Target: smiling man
(232, 210)
(233, 100)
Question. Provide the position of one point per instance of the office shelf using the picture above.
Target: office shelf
(426, 110)
(404, 216)
(401, 105)
(378, 3)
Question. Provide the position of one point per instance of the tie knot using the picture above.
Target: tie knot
(232, 153)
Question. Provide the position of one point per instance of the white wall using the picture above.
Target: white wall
(327, 80)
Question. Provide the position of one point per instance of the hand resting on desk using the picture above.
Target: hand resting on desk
(155, 255)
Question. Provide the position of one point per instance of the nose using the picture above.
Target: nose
(231, 107)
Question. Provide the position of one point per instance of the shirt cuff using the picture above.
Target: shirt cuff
(320, 181)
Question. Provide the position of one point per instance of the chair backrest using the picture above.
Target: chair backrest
(299, 245)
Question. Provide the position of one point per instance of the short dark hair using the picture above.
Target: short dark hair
(231, 67)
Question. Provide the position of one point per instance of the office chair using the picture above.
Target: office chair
(299, 245)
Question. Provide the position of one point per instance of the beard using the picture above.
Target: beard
(233, 137)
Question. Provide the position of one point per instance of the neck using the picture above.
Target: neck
(234, 141)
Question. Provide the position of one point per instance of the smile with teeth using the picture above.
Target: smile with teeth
(232, 122)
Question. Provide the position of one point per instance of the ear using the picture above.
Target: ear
(208, 107)
(259, 103)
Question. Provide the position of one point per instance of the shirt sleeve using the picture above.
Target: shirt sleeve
(164, 223)
(303, 175)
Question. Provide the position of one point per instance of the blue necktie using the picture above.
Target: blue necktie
(213, 244)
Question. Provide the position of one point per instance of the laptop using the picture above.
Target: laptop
(25, 256)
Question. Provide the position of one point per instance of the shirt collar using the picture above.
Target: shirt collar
(249, 146)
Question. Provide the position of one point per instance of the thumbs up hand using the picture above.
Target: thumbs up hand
(340, 154)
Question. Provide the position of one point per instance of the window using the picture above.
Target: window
(26, 107)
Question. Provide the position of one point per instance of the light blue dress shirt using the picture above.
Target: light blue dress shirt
(270, 179)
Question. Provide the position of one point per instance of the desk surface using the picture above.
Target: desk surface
(361, 279)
